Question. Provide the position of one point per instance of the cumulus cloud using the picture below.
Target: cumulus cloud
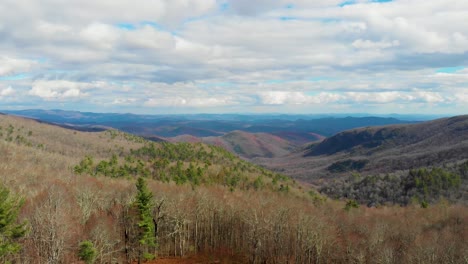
(58, 89)
(6, 91)
(368, 44)
(372, 98)
(236, 55)
(99, 35)
(169, 12)
(188, 102)
(462, 97)
(392, 97)
(10, 66)
(124, 101)
(246, 7)
(52, 30)
(282, 97)
(149, 38)
(297, 98)
(429, 97)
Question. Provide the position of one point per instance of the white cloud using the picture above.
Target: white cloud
(282, 97)
(291, 98)
(298, 98)
(429, 97)
(462, 97)
(395, 97)
(10, 66)
(382, 97)
(52, 29)
(148, 37)
(188, 102)
(59, 89)
(170, 12)
(6, 91)
(124, 101)
(368, 44)
(269, 53)
(100, 35)
(247, 7)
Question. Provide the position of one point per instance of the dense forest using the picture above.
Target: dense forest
(421, 185)
(194, 164)
(111, 197)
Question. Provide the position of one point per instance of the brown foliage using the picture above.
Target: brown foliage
(254, 226)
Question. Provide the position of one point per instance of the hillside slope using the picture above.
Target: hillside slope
(116, 154)
(441, 132)
(79, 188)
(252, 145)
(384, 149)
(246, 145)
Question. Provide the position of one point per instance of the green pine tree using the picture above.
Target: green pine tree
(144, 205)
(10, 229)
(87, 252)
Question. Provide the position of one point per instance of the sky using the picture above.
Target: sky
(235, 56)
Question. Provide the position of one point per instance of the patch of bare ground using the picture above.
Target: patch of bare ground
(218, 257)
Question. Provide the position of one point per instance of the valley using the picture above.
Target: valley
(248, 136)
(233, 131)
(308, 148)
(375, 150)
(87, 189)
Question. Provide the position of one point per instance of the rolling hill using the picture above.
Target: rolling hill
(297, 129)
(441, 132)
(253, 145)
(128, 155)
(105, 190)
(384, 149)
(246, 145)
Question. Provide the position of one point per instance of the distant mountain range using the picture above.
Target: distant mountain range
(203, 125)
(247, 135)
(307, 149)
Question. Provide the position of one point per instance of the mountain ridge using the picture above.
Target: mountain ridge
(394, 135)
(263, 130)
(383, 149)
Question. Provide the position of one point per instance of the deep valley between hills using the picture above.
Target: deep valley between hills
(242, 189)
(309, 148)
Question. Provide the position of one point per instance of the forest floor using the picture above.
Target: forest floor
(201, 258)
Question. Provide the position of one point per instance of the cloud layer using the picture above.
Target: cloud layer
(183, 56)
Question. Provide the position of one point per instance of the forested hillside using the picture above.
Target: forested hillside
(110, 197)
(195, 164)
(421, 185)
(376, 150)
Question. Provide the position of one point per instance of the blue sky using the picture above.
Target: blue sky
(235, 56)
